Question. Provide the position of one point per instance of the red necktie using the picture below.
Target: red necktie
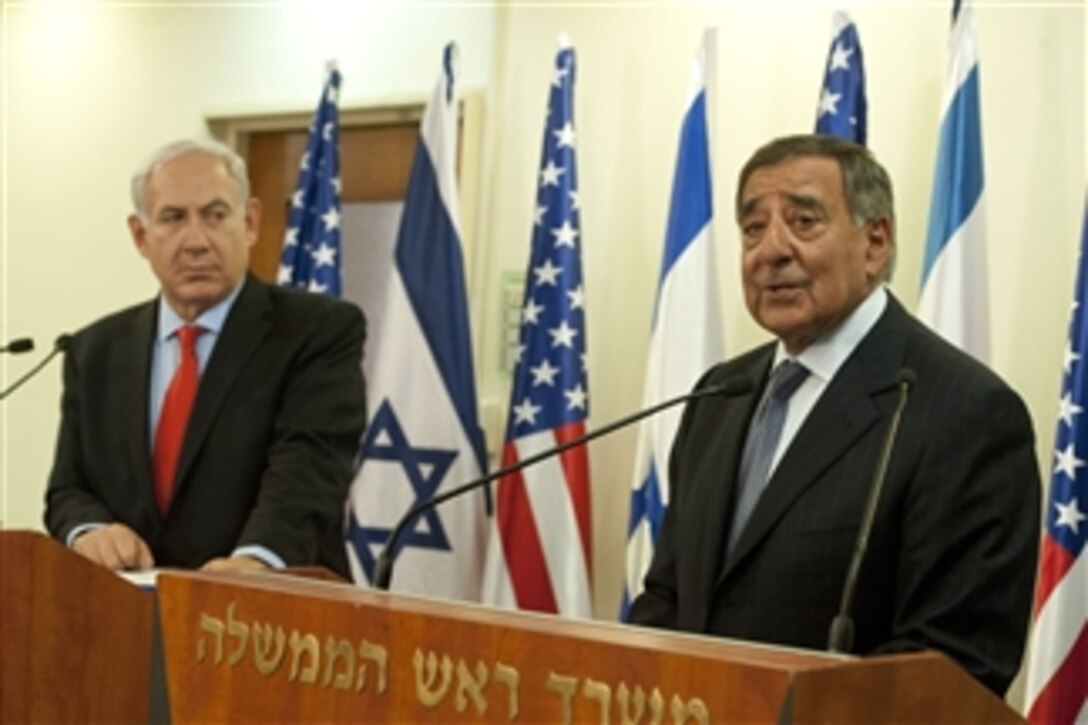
(174, 416)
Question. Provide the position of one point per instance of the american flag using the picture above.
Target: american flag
(842, 108)
(311, 245)
(539, 552)
(1057, 690)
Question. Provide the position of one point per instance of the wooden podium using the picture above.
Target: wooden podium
(266, 648)
(75, 639)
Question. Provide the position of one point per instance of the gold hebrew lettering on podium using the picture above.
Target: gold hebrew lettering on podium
(602, 693)
(472, 687)
(213, 626)
(566, 687)
(430, 694)
(268, 646)
(632, 706)
(657, 706)
(694, 709)
(510, 677)
(377, 654)
(239, 630)
(300, 645)
(339, 650)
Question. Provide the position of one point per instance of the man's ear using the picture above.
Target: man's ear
(253, 219)
(878, 250)
(139, 233)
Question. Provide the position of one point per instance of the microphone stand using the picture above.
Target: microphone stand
(840, 638)
(61, 345)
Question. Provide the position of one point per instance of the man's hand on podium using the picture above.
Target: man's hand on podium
(115, 546)
(235, 564)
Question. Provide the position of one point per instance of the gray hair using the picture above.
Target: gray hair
(235, 165)
(866, 184)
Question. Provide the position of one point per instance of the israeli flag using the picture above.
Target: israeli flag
(955, 289)
(687, 328)
(423, 436)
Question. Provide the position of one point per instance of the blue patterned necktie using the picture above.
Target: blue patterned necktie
(763, 435)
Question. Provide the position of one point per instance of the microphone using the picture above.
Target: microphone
(383, 565)
(59, 346)
(23, 344)
(840, 637)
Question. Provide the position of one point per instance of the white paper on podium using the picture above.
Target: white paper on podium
(143, 578)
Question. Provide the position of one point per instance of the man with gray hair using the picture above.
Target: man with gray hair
(769, 485)
(214, 426)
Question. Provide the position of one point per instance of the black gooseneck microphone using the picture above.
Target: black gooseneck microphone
(59, 346)
(840, 638)
(22, 344)
(383, 565)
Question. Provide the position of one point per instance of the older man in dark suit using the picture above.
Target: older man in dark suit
(214, 426)
(768, 487)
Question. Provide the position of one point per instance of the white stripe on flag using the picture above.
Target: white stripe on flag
(954, 298)
(497, 589)
(1057, 627)
(557, 522)
(963, 55)
(640, 552)
(439, 131)
(686, 340)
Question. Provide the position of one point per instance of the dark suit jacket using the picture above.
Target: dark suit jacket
(951, 559)
(267, 458)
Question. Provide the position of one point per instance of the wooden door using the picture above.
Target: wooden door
(375, 162)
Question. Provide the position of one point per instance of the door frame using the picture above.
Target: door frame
(234, 128)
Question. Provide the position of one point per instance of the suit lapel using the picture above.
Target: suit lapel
(135, 386)
(845, 411)
(246, 326)
(726, 447)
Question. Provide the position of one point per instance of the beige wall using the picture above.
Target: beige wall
(90, 88)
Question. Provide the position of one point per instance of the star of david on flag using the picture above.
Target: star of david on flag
(424, 469)
(311, 246)
(1057, 686)
(539, 551)
(842, 110)
(423, 437)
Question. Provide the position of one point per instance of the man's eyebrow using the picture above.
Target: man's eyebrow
(748, 206)
(805, 201)
(215, 204)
